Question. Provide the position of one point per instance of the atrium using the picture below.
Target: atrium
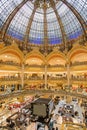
(43, 51)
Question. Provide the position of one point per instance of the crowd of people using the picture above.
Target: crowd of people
(62, 112)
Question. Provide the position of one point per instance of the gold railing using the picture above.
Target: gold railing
(72, 126)
(34, 78)
(29, 91)
(57, 78)
(79, 63)
(9, 63)
(79, 79)
(40, 78)
(59, 65)
(43, 66)
(10, 79)
(35, 66)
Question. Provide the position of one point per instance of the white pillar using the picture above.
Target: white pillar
(45, 74)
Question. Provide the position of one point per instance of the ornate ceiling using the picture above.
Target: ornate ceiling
(43, 21)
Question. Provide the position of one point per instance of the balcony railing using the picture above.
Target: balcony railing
(57, 78)
(35, 66)
(43, 66)
(78, 63)
(7, 78)
(58, 65)
(9, 63)
(10, 79)
(34, 78)
(35, 91)
(79, 79)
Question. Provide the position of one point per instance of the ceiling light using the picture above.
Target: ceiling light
(6, 56)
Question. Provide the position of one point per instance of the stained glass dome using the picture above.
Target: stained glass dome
(39, 21)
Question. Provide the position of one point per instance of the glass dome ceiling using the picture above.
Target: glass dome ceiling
(41, 21)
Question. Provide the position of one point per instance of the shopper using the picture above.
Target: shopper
(51, 123)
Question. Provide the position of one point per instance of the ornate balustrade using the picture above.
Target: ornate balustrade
(24, 92)
(73, 126)
(10, 79)
(9, 63)
(79, 79)
(78, 63)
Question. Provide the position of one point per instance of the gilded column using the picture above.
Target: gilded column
(45, 76)
(68, 75)
(22, 76)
